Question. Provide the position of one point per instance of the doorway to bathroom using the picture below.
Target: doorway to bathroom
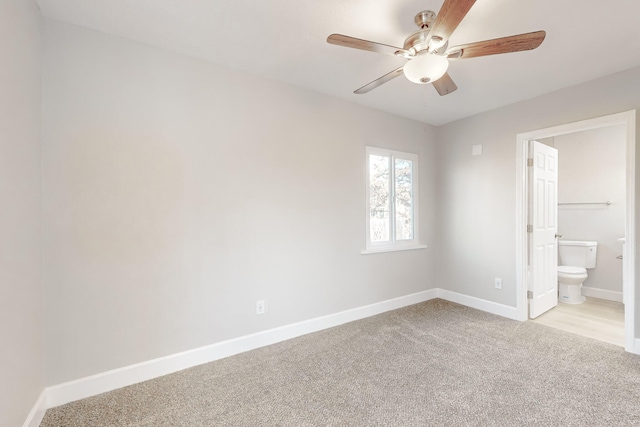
(590, 209)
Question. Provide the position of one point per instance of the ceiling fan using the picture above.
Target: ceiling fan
(427, 49)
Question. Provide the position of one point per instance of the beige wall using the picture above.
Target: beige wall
(477, 194)
(21, 355)
(177, 193)
(592, 168)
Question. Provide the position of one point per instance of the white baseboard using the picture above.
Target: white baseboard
(37, 412)
(128, 375)
(588, 291)
(117, 378)
(480, 304)
(100, 383)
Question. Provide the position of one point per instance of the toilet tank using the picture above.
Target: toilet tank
(578, 253)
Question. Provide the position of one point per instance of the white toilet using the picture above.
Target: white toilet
(575, 257)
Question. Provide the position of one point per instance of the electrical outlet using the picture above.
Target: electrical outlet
(498, 283)
(261, 307)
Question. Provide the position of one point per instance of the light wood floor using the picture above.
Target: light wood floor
(596, 318)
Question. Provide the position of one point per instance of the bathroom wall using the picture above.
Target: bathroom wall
(592, 168)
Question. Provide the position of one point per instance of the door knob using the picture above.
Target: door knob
(558, 236)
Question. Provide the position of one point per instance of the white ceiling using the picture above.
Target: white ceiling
(285, 40)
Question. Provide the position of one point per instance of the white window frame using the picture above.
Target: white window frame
(393, 244)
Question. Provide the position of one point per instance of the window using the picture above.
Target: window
(392, 200)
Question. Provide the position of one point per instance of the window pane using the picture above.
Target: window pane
(379, 198)
(404, 199)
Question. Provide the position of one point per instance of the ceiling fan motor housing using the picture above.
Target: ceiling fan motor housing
(424, 19)
(418, 41)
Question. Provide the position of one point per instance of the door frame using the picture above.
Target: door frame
(627, 118)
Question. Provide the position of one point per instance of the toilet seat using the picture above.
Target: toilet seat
(570, 270)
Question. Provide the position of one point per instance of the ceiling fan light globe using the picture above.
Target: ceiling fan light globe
(426, 68)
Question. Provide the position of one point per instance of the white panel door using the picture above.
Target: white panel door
(543, 247)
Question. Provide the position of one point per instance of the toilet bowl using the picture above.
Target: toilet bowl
(570, 284)
(575, 256)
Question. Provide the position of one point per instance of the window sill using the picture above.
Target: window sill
(391, 249)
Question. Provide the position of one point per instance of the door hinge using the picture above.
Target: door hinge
(529, 294)
(530, 162)
(529, 228)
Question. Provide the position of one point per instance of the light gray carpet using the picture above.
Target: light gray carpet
(431, 364)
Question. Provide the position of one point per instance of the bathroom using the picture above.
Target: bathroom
(591, 207)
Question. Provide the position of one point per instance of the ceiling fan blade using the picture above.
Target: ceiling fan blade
(352, 42)
(445, 85)
(509, 44)
(450, 15)
(379, 81)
